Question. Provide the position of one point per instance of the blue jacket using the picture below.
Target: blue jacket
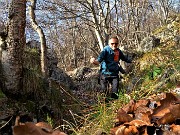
(108, 65)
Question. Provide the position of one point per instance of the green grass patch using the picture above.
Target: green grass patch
(2, 94)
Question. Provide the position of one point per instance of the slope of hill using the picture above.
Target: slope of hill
(153, 72)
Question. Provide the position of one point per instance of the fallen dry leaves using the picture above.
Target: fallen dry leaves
(159, 115)
(30, 128)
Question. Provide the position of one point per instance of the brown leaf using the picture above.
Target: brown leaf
(168, 111)
(175, 110)
(143, 109)
(140, 125)
(129, 108)
(124, 130)
(44, 126)
(137, 123)
(175, 129)
(168, 118)
(142, 102)
(157, 97)
(144, 117)
(123, 117)
(117, 130)
(131, 130)
(161, 110)
(159, 114)
(29, 128)
(170, 98)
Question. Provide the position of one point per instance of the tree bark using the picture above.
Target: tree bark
(40, 32)
(12, 55)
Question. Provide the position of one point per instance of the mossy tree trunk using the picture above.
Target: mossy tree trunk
(12, 55)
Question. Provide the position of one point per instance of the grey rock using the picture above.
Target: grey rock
(148, 43)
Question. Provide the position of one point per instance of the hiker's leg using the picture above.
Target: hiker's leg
(109, 87)
(115, 87)
(103, 83)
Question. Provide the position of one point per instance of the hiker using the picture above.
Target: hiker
(109, 60)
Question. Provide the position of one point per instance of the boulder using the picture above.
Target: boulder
(148, 43)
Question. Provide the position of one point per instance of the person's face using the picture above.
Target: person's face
(113, 43)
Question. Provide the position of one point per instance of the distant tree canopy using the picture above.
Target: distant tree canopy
(76, 29)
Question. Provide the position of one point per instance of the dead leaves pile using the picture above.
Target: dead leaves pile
(30, 128)
(159, 115)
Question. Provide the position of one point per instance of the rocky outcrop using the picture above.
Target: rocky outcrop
(148, 43)
(59, 76)
(55, 73)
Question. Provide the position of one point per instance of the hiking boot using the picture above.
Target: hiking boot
(114, 96)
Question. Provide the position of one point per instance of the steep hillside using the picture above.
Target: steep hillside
(159, 69)
(153, 72)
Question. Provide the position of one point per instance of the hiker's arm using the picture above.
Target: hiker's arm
(125, 58)
(100, 58)
(94, 61)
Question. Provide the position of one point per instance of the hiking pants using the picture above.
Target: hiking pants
(109, 84)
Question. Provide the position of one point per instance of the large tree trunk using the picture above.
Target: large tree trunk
(12, 55)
